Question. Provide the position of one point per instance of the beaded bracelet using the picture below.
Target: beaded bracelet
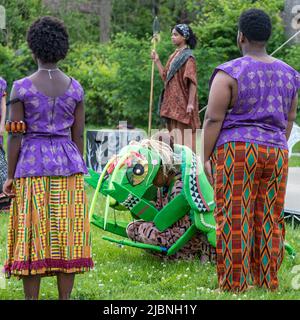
(15, 126)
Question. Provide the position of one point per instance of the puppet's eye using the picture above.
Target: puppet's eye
(137, 173)
(138, 169)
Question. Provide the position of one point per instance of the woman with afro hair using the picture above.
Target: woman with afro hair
(178, 104)
(49, 231)
(251, 109)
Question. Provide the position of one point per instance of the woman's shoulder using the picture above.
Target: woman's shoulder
(21, 87)
(75, 82)
(77, 89)
(23, 82)
(287, 67)
(2, 82)
(291, 73)
(3, 85)
(233, 68)
(234, 63)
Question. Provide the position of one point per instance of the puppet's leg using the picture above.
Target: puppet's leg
(182, 239)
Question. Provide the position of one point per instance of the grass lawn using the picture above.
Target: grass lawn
(294, 161)
(297, 147)
(129, 273)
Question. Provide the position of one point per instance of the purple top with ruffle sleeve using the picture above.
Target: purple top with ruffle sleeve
(47, 148)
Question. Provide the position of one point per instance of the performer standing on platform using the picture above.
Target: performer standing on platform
(179, 101)
(49, 230)
(251, 109)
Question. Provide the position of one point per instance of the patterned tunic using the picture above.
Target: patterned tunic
(47, 148)
(265, 95)
(3, 87)
(176, 94)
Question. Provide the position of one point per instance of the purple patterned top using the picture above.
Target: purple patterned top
(47, 148)
(3, 87)
(265, 95)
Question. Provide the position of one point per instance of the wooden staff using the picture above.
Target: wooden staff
(154, 40)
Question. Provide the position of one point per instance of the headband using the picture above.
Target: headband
(184, 29)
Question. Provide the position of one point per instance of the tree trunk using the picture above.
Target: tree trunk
(105, 11)
(103, 8)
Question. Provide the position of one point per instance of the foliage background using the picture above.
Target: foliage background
(116, 79)
(116, 75)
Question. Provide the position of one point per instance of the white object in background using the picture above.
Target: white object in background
(294, 138)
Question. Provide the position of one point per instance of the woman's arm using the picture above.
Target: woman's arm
(192, 96)
(218, 103)
(16, 113)
(3, 115)
(291, 117)
(155, 58)
(77, 129)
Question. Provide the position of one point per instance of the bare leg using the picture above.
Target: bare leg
(31, 286)
(65, 282)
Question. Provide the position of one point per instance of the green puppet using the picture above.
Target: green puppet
(128, 183)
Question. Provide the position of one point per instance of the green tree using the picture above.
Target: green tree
(19, 15)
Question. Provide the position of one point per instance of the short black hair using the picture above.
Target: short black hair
(48, 39)
(256, 25)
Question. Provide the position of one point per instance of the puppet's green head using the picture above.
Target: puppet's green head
(132, 171)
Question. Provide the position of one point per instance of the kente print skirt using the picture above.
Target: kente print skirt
(49, 230)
